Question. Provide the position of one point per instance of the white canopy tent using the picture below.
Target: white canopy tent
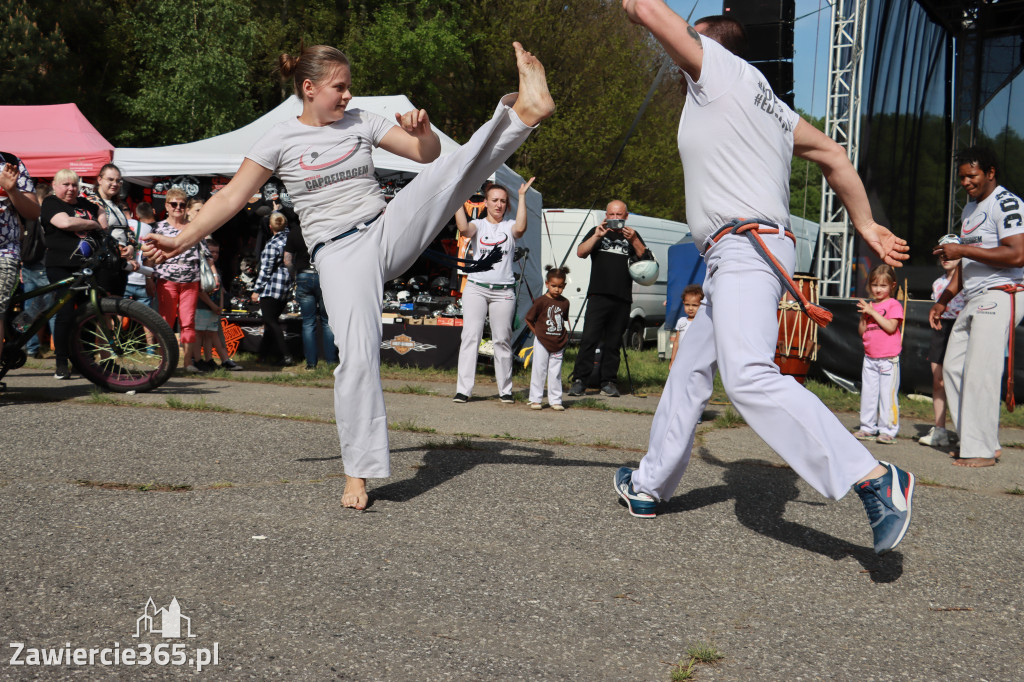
(223, 154)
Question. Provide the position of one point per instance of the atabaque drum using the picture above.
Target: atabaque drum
(798, 334)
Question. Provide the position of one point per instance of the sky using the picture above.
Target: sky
(810, 76)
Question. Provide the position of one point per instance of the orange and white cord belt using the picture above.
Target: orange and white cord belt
(1011, 289)
(752, 230)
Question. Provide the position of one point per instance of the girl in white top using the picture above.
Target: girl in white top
(323, 158)
(490, 294)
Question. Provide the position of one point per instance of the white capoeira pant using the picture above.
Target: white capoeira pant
(973, 367)
(547, 366)
(879, 406)
(499, 305)
(736, 330)
(353, 271)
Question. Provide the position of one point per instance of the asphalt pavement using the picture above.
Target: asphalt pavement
(497, 550)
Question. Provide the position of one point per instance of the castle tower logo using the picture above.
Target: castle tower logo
(166, 622)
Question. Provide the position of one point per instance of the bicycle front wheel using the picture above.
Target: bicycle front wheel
(128, 347)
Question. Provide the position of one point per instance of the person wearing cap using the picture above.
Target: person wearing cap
(611, 247)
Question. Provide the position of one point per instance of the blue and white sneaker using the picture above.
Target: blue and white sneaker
(888, 500)
(640, 505)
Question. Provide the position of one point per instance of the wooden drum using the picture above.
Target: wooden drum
(798, 335)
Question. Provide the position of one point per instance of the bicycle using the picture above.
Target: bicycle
(118, 344)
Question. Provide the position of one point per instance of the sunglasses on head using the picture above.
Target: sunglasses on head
(176, 204)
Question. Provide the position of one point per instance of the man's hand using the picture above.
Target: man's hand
(601, 230)
(415, 122)
(629, 233)
(935, 315)
(949, 251)
(890, 248)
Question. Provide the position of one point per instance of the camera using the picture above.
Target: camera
(615, 224)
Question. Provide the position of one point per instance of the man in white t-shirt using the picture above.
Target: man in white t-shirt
(736, 142)
(990, 275)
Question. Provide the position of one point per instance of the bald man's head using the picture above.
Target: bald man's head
(616, 210)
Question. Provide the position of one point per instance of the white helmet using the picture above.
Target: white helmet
(644, 272)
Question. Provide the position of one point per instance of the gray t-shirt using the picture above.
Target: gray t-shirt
(985, 224)
(736, 144)
(328, 170)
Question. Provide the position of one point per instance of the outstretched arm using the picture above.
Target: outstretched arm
(678, 38)
(519, 228)
(221, 207)
(813, 145)
(413, 137)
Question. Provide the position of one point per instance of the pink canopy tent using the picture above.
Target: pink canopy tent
(51, 137)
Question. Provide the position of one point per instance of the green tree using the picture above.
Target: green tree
(193, 70)
(33, 55)
(805, 182)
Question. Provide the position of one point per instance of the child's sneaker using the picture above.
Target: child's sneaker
(640, 505)
(885, 439)
(888, 500)
(864, 435)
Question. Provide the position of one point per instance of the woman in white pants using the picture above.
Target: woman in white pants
(491, 293)
(323, 158)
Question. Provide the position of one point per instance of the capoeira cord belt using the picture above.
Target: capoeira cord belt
(1011, 289)
(752, 230)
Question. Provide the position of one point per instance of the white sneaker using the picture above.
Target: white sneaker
(936, 437)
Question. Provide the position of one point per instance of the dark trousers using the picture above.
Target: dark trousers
(604, 323)
(273, 333)
(65, 318)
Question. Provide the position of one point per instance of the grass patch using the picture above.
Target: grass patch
(704, 653)
(729, 419)
(454, 444)
(1015, 490)
(198, 406)
(410, 425)
(138, 487)
(683, 671)
(413, 390)
(99, 397)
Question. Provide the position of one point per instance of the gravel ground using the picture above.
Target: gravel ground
(496, 550)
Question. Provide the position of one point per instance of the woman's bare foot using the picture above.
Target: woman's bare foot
(975, 462)
(534, 103)
(355, 496)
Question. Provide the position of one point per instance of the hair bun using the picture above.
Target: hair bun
(287, 64)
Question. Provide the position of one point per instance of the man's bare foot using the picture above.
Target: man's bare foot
(355, 496)
(975, 462)
(956, 455)
(534, 103)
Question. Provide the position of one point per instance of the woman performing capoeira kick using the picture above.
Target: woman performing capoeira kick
(323, 158)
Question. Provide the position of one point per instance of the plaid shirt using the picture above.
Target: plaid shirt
(274, 280)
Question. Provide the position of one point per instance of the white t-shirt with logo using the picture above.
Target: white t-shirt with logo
(736, 144)
(490, 236)
(985, 224)
(328, 170)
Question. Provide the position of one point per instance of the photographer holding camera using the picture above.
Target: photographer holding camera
(611, 246)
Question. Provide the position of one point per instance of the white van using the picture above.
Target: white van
(562, 229)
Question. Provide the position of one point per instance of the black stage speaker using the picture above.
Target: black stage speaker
(769, 25)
